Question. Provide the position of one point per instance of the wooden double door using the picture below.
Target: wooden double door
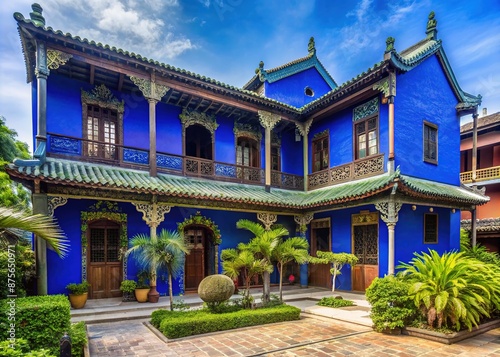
(319, 274)
(200, 261)
(104, 267)
(365, 247)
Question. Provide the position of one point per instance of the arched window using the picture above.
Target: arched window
(199, 142)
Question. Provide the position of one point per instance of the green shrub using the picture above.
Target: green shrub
(78, 289)
(180, 305)
(21, 349)
(274, 300)
(78, 334)
(41, 320)
(333, 301)
(392, 306)
(175, 324)
(128, 286)
(24, 271)
(215, 289)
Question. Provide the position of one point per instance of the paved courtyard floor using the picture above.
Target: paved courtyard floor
(310, 336)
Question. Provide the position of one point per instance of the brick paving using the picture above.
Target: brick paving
(311, 336)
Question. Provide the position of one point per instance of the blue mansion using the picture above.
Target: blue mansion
(128, 145)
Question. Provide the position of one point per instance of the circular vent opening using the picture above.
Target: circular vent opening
(309, 92)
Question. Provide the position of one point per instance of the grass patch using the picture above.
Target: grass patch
(175, 324)
(335, 302)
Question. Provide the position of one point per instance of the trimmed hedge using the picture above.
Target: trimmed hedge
(175, 324)
(41, 320)
(332, 301)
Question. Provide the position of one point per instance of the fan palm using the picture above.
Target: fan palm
(451, 288)
(262, 246)
(293, 249)
(44, 227)
(167, 251)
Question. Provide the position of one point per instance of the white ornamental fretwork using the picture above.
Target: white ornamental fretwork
(389, 211)
(57, 58)
(303, 219)
(152, 213)
(304, 127)
(268, 219)
(268, 120)
(149, 88)
(55, 201)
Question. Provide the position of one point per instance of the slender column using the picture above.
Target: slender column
(41, 72)
(40, 206)
(391, 128)
(474, 145)
(304, 131)
(153, 214)
(153, 92)
(389, 211)
(473, 223)
(268, 121)
(302, 222)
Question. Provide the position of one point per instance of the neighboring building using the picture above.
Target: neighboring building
(127, 145)
(487, 177)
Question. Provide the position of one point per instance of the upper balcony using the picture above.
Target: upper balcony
(490, 173)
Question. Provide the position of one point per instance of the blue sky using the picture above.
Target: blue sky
(226, 39)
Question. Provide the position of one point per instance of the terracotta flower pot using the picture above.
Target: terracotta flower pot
(78, 301)
(141, 294)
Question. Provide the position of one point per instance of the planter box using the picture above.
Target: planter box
(449, 338)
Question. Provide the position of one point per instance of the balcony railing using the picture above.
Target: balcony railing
(370, 166)
(489, 173)
(130, 157)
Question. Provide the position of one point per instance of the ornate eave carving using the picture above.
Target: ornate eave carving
(248, 130)
(149, 88)
(57, 58)
(389, 211)
(152, 213)
(189, 118)
(54, 202)
(364, 218)
(268, 120)
(304, 127)
(303, 219)
(387, 86)
(268, 219)
(102, 97)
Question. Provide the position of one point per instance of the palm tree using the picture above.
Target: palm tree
(262, 246)
(44, 227)
(290, 250)
(242, 261)
(165, 252)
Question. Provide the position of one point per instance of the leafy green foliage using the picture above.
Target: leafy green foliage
(24, 270)
(78, 289)
(336, 260)
(166, 251)
(332, 301)
(452, 290)
(175, 324)
(128, 286)
(78, 334)
(21, 349)
(180, 305)
(41, 320)
(391, 304)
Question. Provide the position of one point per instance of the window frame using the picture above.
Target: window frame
(315, 140)
(276, 157)
(426, 239)
(355, 137)
(101, 142)
(425, 142)
(254, 151)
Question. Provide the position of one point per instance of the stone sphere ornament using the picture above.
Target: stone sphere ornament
(216, 288)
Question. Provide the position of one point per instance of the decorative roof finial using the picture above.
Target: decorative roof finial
(389, 44)
(36, 16)
(261, 67)
(311, 47)
(431, 27)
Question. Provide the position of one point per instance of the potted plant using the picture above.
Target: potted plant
(128, 287)
(78, 294)
(142, 286)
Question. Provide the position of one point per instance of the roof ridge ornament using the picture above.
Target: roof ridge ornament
(311, 47)
(389, 44)
(36, 16)
(431, 27)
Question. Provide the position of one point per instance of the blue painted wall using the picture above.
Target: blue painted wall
(424, 94)
(341, 128)
(290, 90)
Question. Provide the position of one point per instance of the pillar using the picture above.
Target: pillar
(474, 145)
(304, 131)
(268, 121)
(302, 221)
(389, 212)
(473, 228)
(40, 206)
(153, 92)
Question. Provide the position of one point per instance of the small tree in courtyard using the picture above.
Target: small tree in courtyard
(336, 260)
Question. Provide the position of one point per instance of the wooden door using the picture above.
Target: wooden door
(319, 274)
(195, 260)
(104, 268)
(366, 249)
